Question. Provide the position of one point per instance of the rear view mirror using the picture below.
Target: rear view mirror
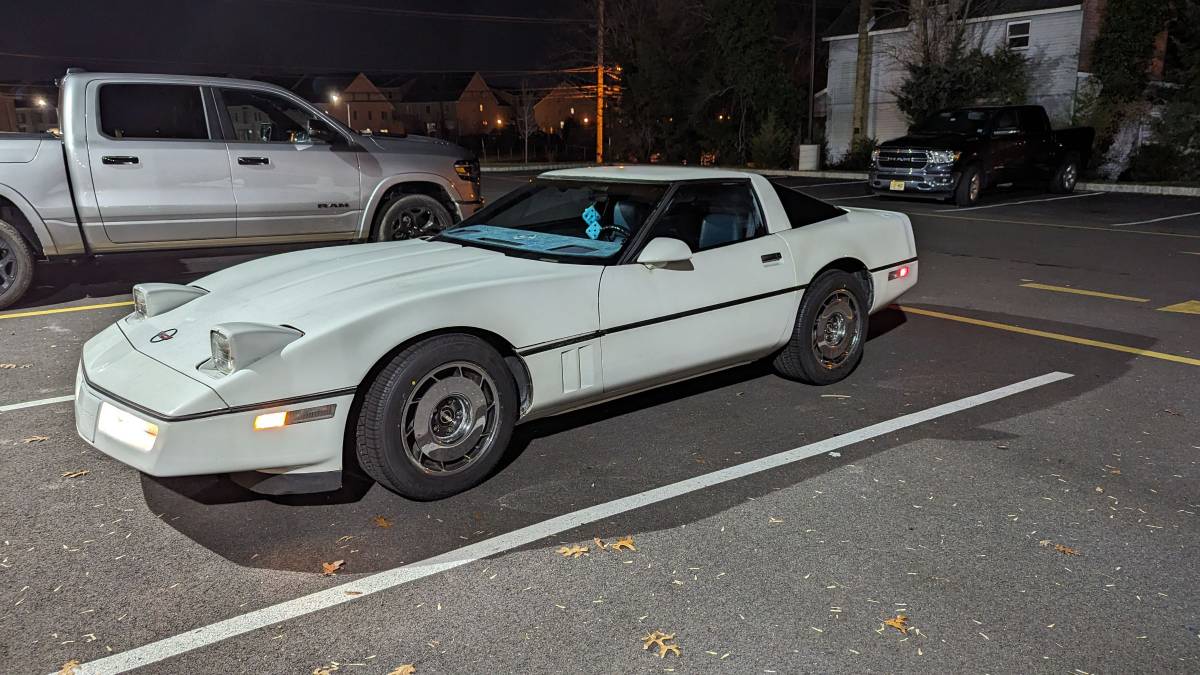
(662, 251)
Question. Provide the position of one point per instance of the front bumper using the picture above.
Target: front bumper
(915, 183)
(218, 441)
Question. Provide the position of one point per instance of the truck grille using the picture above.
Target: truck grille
(902, 158)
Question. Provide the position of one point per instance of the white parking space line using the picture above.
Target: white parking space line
(1027, 201)
(1155, 220)
(34, 404)
(291, 609)
(838, 199)
(841, 182)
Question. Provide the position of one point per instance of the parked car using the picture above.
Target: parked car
(956, 154)
(421, 356)
(166, 161)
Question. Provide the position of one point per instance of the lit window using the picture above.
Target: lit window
(1018, 35)
(480, 107)
(572, 111)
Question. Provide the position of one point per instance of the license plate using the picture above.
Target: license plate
(897, 185)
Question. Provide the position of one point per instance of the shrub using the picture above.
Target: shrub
(1157, 162)
(771, 147)
(858, 157)
(999, 77)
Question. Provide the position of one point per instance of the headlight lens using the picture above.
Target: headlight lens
(154, 299)
(943, 156)
(467, 169)
(875, 156)
(222, 354)
(139, 301)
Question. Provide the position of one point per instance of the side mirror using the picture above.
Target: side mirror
(662, 251)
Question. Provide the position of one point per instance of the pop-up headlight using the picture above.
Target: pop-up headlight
(154, 299)
(237, 345)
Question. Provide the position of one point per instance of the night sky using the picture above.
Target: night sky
(279, 38)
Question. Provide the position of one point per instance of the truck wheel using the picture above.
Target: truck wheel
(1066, 176)
(409, 217)
(831, 327)
(969, 187)
(16, 265)
(437, 419)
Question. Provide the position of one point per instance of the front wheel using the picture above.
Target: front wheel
(1066, 176)
(16, 265)
(437, 418)
(969, 187)
(410, 217)
(831, 327)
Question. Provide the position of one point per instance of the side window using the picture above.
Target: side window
(161, 111)
(1033, 121)
(707, 215)
(260, 117)
(1006, 120)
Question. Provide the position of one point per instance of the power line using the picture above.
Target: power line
(428, 14)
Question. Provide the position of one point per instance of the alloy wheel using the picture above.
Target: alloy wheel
(450, 418)
(836, 331)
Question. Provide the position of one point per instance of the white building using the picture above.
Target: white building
(1055, 35)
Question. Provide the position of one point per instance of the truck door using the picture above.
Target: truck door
(159, 168)
(287, 180)
(1040, 151)
(1007, 146)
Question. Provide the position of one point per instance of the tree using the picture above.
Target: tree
(862, 68)
(522, 102)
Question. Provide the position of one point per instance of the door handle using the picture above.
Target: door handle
(119, 159)
(772, 257)
(253, 161)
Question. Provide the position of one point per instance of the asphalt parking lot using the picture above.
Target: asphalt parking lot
(1048, 527)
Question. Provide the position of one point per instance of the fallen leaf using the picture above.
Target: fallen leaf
(69, 668)
(1044, 543)
(622, 544)
(326, 670)
(332, 567)
(900, 623)
(1115, 472)
(1065, 550)
(383, 522)
(599, 543)
(659, 639)
(835, 454)
(7, 366)
(35, 439)
(76, 474)
(353, 593)
(406, 669)
(572, 551)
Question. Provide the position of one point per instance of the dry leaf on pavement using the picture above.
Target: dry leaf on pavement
(35, 439)
(406, 669)
(900, 623)
(623, 543)
(331, 568)
(1065, 550)
(659, 639)
(7, 366)
(572, 551)
(599, 543)
(326, 670)
(69, 668)
(381, 521)
(76, 474)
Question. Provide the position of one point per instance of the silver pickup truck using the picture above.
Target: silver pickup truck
(152, 162)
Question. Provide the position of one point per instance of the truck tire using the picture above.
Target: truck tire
(16, 265)
(410, 216)
(1066, 175)
(969, 186)
(831, 327)
(437, 419)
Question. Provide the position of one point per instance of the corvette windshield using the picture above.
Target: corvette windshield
(566, 220)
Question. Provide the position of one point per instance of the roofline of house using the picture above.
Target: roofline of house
(978, 19)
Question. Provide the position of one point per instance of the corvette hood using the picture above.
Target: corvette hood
(318, 290)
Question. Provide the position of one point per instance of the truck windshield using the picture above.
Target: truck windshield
(562, 220)
(969, 121)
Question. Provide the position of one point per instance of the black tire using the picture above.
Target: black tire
(409, 217)
(1066, 175)
(16, 265)
(970, 186)
(802, 358)
(422, 399)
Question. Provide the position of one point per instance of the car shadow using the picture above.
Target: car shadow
(563, 464)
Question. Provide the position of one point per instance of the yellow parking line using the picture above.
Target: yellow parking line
(1053, 336)
(61, 310)
(1080, 291)
(1186, 307)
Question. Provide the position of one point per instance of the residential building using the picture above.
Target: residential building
(362, 106)
(1055, 35)
(563, 102)
(27, 114)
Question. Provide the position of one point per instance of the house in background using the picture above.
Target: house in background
(563, 102)
(32, 113)
(449, 105)
(1056, 36)
(362, 106)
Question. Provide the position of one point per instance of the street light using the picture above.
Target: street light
(41, 102)
(335, 98)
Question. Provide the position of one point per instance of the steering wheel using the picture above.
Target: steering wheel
(614, 231)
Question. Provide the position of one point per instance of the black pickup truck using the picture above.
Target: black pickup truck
(956, 154)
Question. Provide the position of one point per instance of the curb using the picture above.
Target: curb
(1094, 186)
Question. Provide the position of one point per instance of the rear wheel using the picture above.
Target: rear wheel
(831, 327)
(969, 187)
(16, 265)
(437, 418)
(410, 217)
(1066, 176)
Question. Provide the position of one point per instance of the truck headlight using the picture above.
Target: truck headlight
(943, 156)
(467, 169)
(154, 299)
(875, 156)
(237, 345)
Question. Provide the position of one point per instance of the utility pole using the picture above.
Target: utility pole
(600, 83)
(812, 71)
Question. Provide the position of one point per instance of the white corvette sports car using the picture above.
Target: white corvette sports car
(420, 356)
